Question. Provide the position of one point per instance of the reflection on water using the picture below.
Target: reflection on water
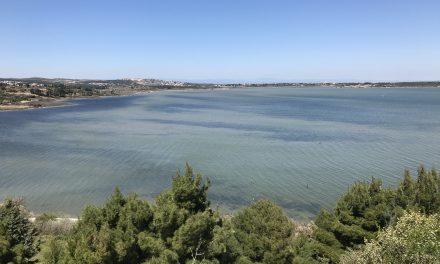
(299, 147)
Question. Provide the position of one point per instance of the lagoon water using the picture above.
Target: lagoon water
(301, 147)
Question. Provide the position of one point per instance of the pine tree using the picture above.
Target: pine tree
(405, 196)
(427, 196)
(18, 242)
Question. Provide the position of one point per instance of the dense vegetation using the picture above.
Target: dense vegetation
(366, 209)
(7, 97)
(18, 241)
(12, 95)
(369, 224)
(414, 239)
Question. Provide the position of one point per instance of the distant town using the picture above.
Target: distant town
(22, 93)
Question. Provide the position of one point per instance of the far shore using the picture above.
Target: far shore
(65, 101)
(50, 102)
(36, 104)
(55, 102)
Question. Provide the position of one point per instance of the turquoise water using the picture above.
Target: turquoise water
(301, 147)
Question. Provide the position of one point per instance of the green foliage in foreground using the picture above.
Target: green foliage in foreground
(414, 239)
(180, 227)
(17, 234)
(368, 207)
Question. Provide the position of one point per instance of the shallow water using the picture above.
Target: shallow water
(301, 147)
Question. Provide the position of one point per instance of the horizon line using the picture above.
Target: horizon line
(233, 81)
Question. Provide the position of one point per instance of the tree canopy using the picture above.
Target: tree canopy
(414, 239)
(370, 223)
(18, 243)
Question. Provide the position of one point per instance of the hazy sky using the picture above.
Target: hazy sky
(221, 40)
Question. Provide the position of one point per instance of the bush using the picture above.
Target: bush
(414, 239)
(18, 243)
(264, 233)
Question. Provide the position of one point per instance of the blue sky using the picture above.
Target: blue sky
(232, 40)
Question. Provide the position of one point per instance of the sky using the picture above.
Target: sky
(224, 41)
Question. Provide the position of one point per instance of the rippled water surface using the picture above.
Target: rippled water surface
(301, 147)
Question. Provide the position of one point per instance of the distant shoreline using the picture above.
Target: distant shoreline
(65, 101)
(34, 93)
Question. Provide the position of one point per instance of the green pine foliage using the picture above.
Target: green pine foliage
(414, 239)
(264, 233)
(177, 229)
(180, 227)
(427, 193)
(18, 242)
(368, 207)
